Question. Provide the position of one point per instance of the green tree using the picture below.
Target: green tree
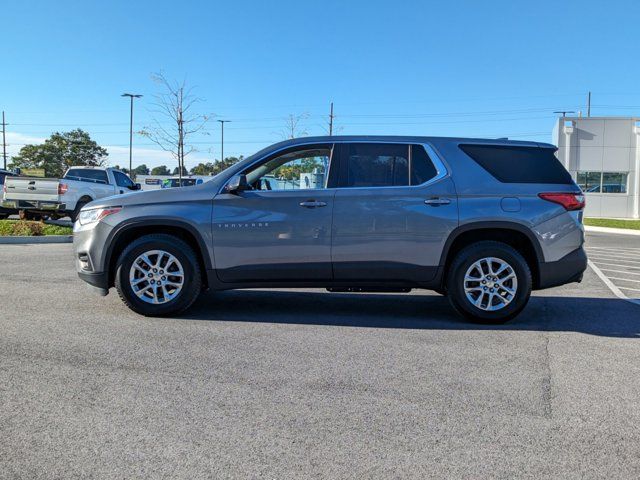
(61, 151)
(184, 171)
(203, 169)
(161, 170)
(141, 170)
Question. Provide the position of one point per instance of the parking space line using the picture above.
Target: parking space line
(624, 279)
(634, 250)
(632, 289)
(615, 258)
(619, 271)
(617, 255)
(623, 254)
(619, 265)
(614, 289)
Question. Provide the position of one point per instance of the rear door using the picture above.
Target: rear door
(281, 229)
(393, 211)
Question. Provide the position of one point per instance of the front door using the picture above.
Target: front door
(280, 230)
(393, 213)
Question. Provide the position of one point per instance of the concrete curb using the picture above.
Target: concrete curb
(31, 240)
(619, 231)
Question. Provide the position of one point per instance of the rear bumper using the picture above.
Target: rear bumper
(568, 269)
(34, 205)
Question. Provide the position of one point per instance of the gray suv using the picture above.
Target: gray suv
(483, 222)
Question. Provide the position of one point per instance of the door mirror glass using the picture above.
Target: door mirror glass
(238, 183)
(135, 186)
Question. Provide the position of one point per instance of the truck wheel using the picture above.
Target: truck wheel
(489, 282)
(158, 275)
(76, 212)
(24, 215)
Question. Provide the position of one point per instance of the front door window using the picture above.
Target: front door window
(299, 170)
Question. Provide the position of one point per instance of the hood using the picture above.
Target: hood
(204, 191)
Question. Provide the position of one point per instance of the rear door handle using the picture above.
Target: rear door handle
(312, 204)
(437, 201)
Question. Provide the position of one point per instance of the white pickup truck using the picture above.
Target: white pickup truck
(53, 197)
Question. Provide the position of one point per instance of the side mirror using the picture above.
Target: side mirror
(136, 186)
(238, 183)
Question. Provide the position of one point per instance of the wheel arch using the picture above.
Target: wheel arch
(128, 232)
(513, 234)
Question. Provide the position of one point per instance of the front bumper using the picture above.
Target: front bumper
(34, 205)
(89, 244)
(100, 281)
(568, 269)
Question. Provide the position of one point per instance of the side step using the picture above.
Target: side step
(367, 289)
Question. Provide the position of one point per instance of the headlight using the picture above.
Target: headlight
(93, 215)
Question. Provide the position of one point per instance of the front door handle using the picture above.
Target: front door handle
(312, 204)
(437, 201)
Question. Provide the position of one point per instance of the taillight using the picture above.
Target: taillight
(570, 201)
(62, 188)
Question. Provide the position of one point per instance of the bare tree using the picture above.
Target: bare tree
(175, 121)
(293, 127)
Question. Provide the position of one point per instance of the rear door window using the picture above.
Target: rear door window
(517, 164)
(386, 165)
(377, 165)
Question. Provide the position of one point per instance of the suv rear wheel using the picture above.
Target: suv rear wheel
(489, 282)
(158, 275)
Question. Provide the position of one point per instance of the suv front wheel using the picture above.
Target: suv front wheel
(489, 282)
(158, 275)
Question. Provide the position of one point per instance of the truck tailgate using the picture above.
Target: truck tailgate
(28, 188)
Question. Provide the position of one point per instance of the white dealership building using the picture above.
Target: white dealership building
(603, 156)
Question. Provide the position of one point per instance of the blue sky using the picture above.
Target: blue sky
(464, 68)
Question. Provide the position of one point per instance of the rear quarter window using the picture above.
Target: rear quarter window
(515, 164)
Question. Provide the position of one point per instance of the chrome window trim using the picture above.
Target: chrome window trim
(441, 170)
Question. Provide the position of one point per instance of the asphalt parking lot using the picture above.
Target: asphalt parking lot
(302, 383)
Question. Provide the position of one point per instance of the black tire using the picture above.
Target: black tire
(191, 288)
(456, 284)
(76, 212)
(30, 216)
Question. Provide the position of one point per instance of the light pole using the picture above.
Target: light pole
(131, 96)
(222, 122)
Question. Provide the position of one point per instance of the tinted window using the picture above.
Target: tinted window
(422, 168)
(2, 175)
(377, 165)
(514, 164)
(122, 180)
(96, 176)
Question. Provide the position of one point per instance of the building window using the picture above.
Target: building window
(602, 182)
(589, 182)
(614, 182)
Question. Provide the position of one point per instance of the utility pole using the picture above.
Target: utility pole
(589, 104)
(4, 141)
(564, 112)
(222, 122)
(331, 120)
(131, 96)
